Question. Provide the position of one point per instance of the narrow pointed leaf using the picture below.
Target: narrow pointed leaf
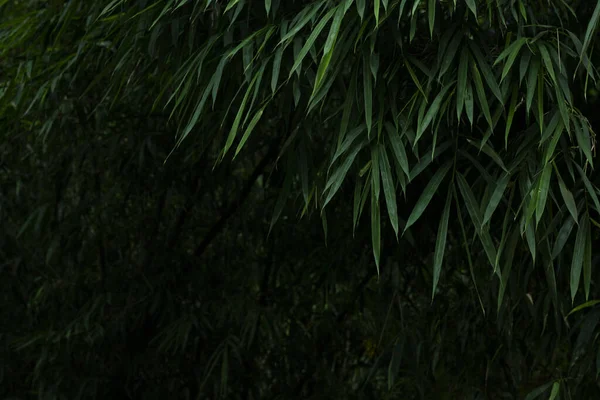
(579, 254)
(427, 195)
(440, 244)
(388, 187)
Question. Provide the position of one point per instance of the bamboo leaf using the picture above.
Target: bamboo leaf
(276, 68)
(485, 69)
(440, 243)
(368, 95)
(592, 26)
(579, 254)
(568, 198)
(473, 210)
(532, 81)
(450, 52)
(587, 261)
(481, 95)
(461, 86)
(336, 179)
(388, 187)
(397, 148)
(590, 188)
(543, 187)
(511, 56)
(472, 7)
(469, 103)
(311, 41)
(431, 14)
(583, 137)
(496, 197)
(375, 230)
(249, 130)
(562, 237)
(427, 195)
(431, 112)
(511, 113)
(375, 172)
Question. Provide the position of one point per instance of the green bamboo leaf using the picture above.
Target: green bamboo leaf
(470, 202)
(375, 172)
(562, 107)
(440, 244)
(360, 7)
(334, 29)
(248, 131)
(532, 79)
(489, 151)
(583, 137)
(472, 7)
(397, 148)
(523, 65)
(591, 28)
(415, 79)
(540, 101)
(511, 113)
(348, 102)
(555, 391)
(368, 95)
(425, 161)
(514, 52)
(450, 53)
(461, 86)
(236, 122)
(568, 198)
(481, 95)
(537, 392)
(496, 197)
(375, 230)
(376, 11)
(336, 179)
(388, 187)
(583, 306)
(547, 62)
(431, 113)
(531, 240)
(427, 195)
(311, 41)
(302, 19)
(267, 6)
(486, 71)
(431, 14)
(349, 140)
(508, 263)
(276, 68)
(356, 210)
(543, 188)
(579, 254)
(469, 103)
(303, 166)
(473, 211)
(587, 261)
(554, 141)
(590, 188)
(562, 237)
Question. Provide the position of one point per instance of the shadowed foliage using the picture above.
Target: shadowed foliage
(299, 199)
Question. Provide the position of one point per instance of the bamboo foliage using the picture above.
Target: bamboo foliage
(405, 92)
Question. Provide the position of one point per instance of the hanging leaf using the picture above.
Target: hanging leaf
(440, 244)
(388, 187)
(579, 254)
(427, 195)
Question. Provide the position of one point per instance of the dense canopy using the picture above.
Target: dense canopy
(299, 199)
